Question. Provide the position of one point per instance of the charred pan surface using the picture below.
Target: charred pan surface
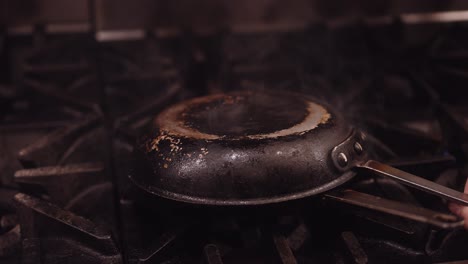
(242, 115)
(241, 148)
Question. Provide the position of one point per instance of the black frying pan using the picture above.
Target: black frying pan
(251, 148)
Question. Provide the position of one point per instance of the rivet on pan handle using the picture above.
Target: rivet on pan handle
(350, 152)
(408, 211)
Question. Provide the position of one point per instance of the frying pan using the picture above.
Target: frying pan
(252, 148)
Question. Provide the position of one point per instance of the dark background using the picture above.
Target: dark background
(149, 14)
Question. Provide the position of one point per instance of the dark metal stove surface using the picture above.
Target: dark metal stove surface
(71, 109)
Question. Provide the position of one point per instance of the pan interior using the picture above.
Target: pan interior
(240, 115)
(245, 114)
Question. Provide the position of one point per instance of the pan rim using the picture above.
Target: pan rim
(345, 177)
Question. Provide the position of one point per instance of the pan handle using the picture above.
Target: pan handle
(441, 220)
(415, 181)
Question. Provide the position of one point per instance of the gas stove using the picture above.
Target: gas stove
(73, 108)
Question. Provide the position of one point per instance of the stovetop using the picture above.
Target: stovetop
(72, 109)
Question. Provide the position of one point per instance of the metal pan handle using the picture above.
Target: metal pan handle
(415, 181)
(408, 211)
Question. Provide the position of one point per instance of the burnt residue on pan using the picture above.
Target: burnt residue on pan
(244, 115)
